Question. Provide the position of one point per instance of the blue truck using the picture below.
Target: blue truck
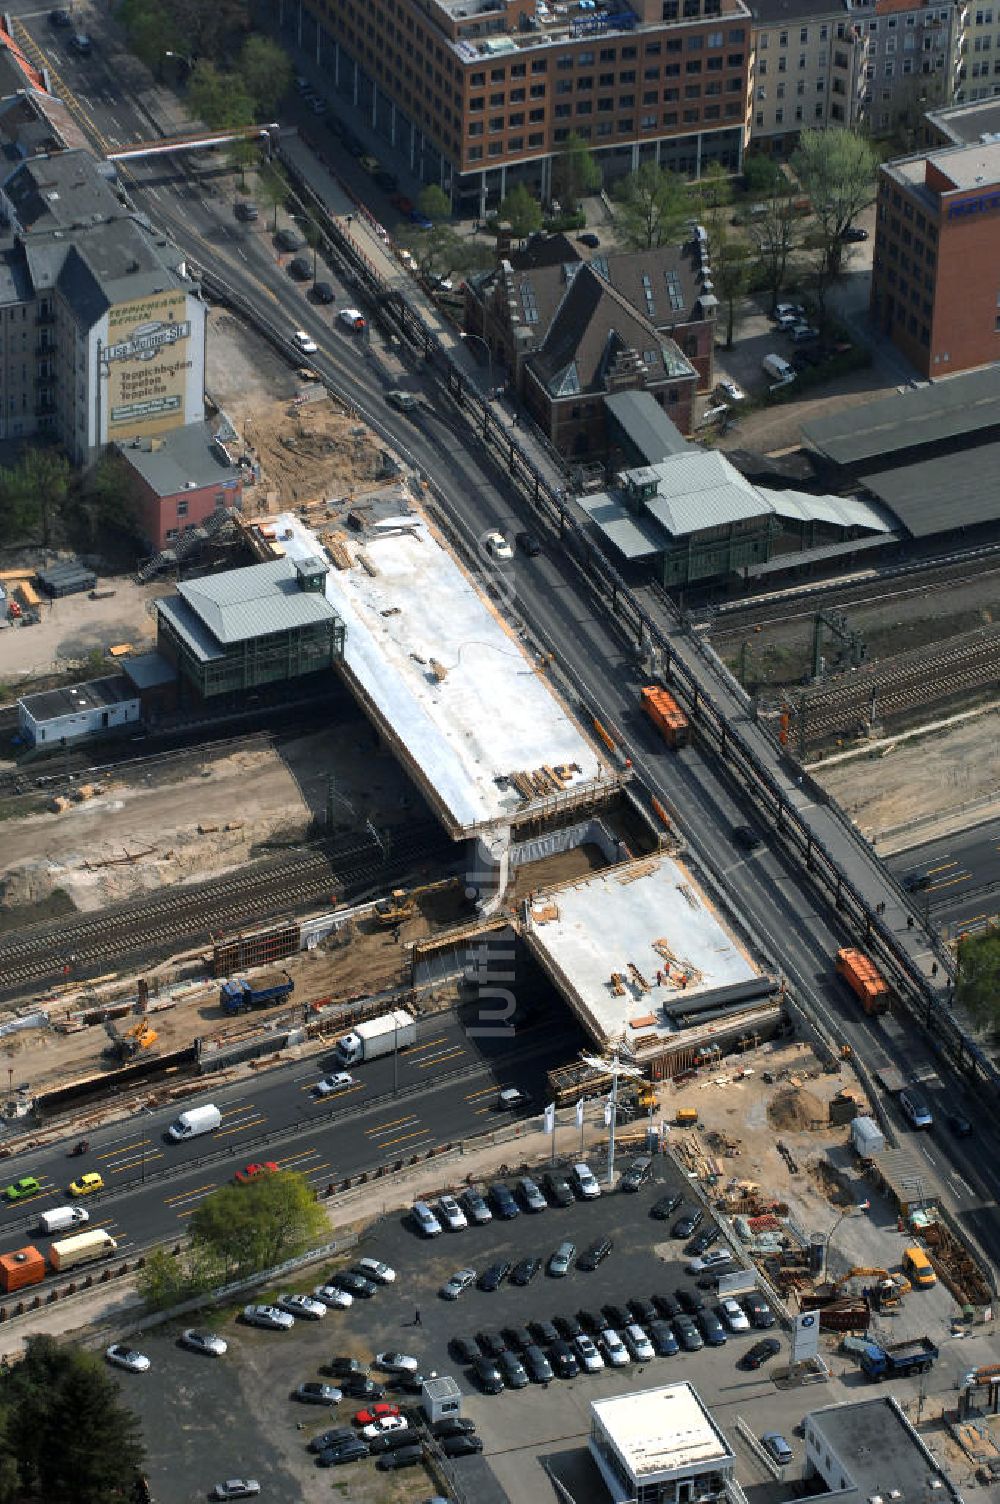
(898, 1359)
(241, 994)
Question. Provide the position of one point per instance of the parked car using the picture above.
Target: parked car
(330, 1085)
(355, 1284)
(853, 233)
(563, 1359)
(691, 1301)
(404, 402)
(343, 1451)
(636, 1173)
(589, 239)
(958, 1124)
(760, 1353)
(537, 1364)
(464, 1351)
(597, 1252)
(734, 1315)
(452, 1425)
(345, 1367)
(358, 1386)
(461, 1446)
(531, 1195)
(236, 1488)
(687, 1222)
(702, 1242)
(334, 1297)
(394, 1362)
(323, 292)
(663, 1337)
(730, 391)
(613, 1315)
(300, 267)
(492, 1278)
(568, 1327)
(790, 313)
(516, 1338)
(391, 1441)
(558, 1190)
(637, 1341)
(712, 1329)
(775, 1443)
(268, 1316)
(803, 334)
(314, 1393)
(544, 1332)
(665, 1207)
(525, 1270)
(475, 1206)
(60, 19)
(386, 1410)
(491, 1344)
(585, 1182)
(616, 1354)
(640, 1310)
(459, 1282)
(589, 1358)
(204, 1342)
(127, 1357)
(451, 1214)
(488, 1376)
(512, 1369)
(331, 1438)
(667, 1306)
(302, 1305)
(561, 1260)
(714, 1259)
(688, 1334)
(757, 1308)
(288, 240)
(427, 1223)
(503, 1201)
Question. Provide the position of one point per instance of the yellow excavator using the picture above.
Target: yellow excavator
(126, 1044)
(888, 1289)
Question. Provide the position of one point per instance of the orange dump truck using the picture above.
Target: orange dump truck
(25, 1267)
(666, 715)
(864, 979)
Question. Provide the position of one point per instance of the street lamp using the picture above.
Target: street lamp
(181, 57)
(614, 1068)
(489, 353)
(862, 1206)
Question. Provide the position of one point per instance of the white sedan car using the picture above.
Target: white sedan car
(269, 1316)
(353, 318)
(638, 1343)
(334, 1296)
(302, 1305)
(382, 1274)
(396, 1362)
(731, 391)
(204, 1342)
(451, 1214)
(306, 345)
(126, 1357)
(384, 1425)
(236, 1488)
(459, 1281)
(734, 1315)
(615, 1352)
(498, 547)
(714, 1259)
(331, 1084)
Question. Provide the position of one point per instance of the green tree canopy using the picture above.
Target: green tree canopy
(652, 206)
(977, 985)
(64, 1433)
(247, 1228)
(220, 99)
(837, 170)
(575, 172)
(773, 236)
(731, 268)
(761, 174)
(435, 203)
(266, 73)
(34, 491)
(522, 211)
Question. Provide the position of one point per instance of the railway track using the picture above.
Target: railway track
(92, 943)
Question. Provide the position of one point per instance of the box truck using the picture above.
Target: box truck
(25, 1267)
(81, 1249)
(62, 1218)
(377, 1036)
(864, 979)
(666, 715)
(240, 994)
(194, 1122)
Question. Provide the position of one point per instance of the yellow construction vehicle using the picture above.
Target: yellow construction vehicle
(394, 909)
(888, 1289)
(127, 1043)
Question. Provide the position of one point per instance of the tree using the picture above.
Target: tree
(272, 188)
(151, 32)
(168, 1279)
(65, 1430)
(773, 236)
(266, 73)
(521, 211)
(731, 270)
(575, 173)
(434, 202)
(653, 204)
(761, 174)
(837, 170)
(106, 498)
(248, 1228)
(436, 251)
(34, 491)
(715, 188)
(218, 98)
(977, 983)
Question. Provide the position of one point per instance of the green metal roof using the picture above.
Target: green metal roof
(254, 602)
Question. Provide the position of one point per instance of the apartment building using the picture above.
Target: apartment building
(807, 70)
(935, 276)
(477, 95)
(980, 74)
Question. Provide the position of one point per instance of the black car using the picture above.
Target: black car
(667, 1306)
(686, 1223)
(287, 240)
(688, 1334)
(544, 1332)
(503, 1201)
(524, 1271)
(327, 1439)
(691, 1301)
(324, 293)
(759, 1354)
(589, 239)
(461, 1446)
(300, 268)
(613, 1316)
(246, 211)
(665, 1207)
(528, 544)
(712, 1329)
(564, 1360)
(354, 1284)
(359, 1387)
(491, 1343)
(488, 1376)
(342, 1367)
(568, 1327)
(390, 1441)
(514, 1375)
(853, 233)
(702, 1242)
(636, 1173)
(492, 1278)
(558, 1190)
(595, 1254)
(760, 1313)
(664, 1340)
(642, 1311)
(386, 179)
(451, 1425)
(345, 1451)
(746, 838)
(407, 1456)
(591, 1321)
(408, 1383)
(516, 1338)
(959, 1125)
(463, 1351)
(537, 1364)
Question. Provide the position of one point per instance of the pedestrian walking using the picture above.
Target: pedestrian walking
(416, 1318)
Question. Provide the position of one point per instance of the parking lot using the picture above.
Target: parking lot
(205, 1419)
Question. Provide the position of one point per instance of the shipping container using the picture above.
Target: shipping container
(81, 1249)
(864, 979)
(25, 1267)
(867, 1137)
(666, 715)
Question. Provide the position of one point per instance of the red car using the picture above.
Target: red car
(251, 1172)
(375, 1412)
(401, 202)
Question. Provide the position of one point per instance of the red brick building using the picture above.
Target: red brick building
(936, 268)
(181, 479)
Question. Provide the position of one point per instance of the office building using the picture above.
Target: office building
(661, 1446)
(477, 95)
(869, 1450)
(935, 281)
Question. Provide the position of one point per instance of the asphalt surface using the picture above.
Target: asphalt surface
(956, 879)
(790, 923)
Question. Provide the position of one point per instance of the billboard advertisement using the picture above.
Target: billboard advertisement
(148, 357)
(805, 1337)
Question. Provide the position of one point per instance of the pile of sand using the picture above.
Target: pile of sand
(795, 1108)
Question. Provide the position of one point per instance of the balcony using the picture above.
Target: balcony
(45, 317)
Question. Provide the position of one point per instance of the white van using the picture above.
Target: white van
(777, 369)
(61, 1218)
(194, 1122)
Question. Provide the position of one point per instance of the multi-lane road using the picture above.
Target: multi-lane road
(787, 920)
(956, 879)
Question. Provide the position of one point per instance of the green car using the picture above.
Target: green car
(28, 1186)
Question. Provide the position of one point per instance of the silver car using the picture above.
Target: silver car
(476, 1208)
(269, 1316)
(451, 1214)
(459, 1281)
(589, 1358)
(531, 1195)
(638, 1344)
(425, 1219)
(303, 1305)
(334, 1297)
(236, 1488)
(382, 1274)
(204, 1342)
(562, 1259)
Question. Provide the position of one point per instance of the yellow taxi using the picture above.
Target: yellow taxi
(87, 1184)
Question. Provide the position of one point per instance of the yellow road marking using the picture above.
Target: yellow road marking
(420, 1133)
(426, 1044)
(241, 1127)
(122, 1169)
(393, 1123)
(427, 1065)
(487, 1091)
(125, 1148)
(186, 1195)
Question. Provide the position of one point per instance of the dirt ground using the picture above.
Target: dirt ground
(938, 782)
(308, 447)
(73, 626)
(262, 791)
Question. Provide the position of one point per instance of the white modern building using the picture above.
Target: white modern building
(60, 715)
(869, 1450)
(660, 1446)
